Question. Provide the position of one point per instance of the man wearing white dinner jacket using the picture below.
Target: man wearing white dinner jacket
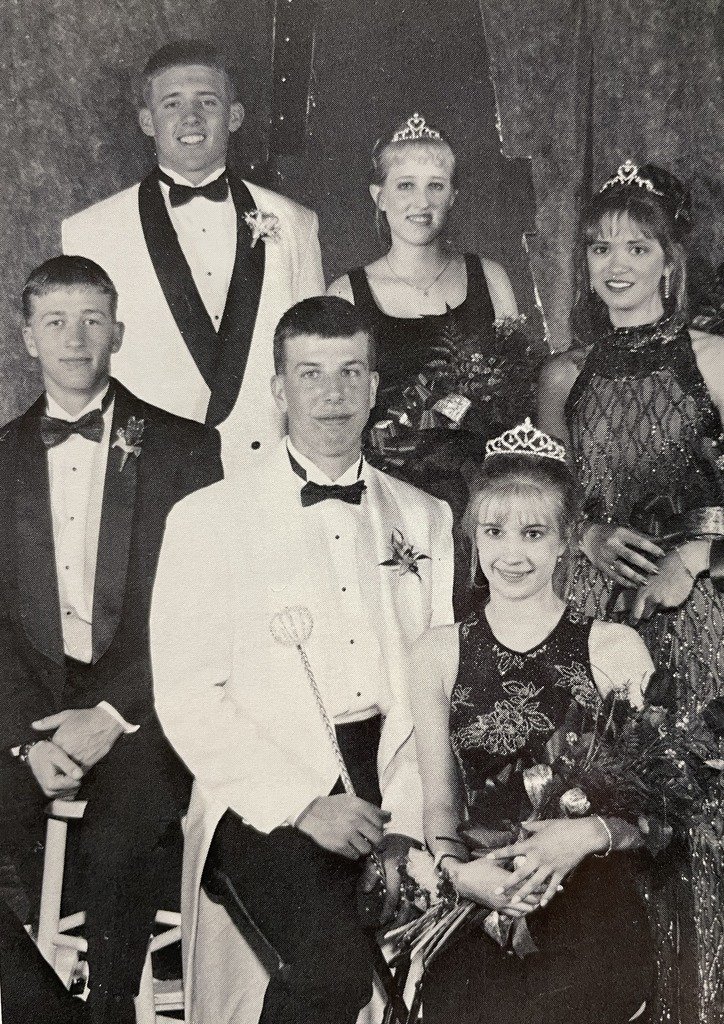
(359, 565)
(202, 284)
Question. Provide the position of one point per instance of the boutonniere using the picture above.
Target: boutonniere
(263, 225)
(404, 557)
(128, 439)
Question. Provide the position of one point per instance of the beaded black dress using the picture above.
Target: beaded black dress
(646, 440)
(594, 956)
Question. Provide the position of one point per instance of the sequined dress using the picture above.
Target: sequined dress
(646, 439)
(594, 959)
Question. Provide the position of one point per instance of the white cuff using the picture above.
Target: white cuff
(126, 726)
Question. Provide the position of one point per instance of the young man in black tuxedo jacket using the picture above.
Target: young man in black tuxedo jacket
(87, 477)
(205, 262)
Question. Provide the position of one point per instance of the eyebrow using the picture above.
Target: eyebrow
(198, 92)
(309, 363)
(63, 312)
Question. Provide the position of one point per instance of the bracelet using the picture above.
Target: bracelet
(441, 857)
(608, 833)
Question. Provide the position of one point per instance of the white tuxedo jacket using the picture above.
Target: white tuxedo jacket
(155, 362)
(236, 704)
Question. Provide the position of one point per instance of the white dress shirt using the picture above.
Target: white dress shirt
(359, 687)
(77, 474)
(206, 231)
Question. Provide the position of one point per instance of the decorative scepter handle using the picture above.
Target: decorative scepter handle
(292, 627)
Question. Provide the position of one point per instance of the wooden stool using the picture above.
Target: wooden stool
(62, 951)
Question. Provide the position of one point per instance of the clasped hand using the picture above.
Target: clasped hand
(669, 589)
(85, 734)
(620, 553)
(552, 850)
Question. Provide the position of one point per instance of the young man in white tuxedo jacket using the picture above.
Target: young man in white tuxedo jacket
(309, 535)
(204, 262)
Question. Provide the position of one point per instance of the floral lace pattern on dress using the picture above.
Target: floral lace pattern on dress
(509, 725)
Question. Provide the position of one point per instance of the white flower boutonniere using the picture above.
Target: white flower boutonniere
(263, 225)
(404, 557)
(128, 439)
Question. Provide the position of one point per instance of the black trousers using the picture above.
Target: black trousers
(303, 900)
(124, 857)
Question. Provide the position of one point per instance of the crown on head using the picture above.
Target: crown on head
(415, 128)
(628, 174)
(525, 439)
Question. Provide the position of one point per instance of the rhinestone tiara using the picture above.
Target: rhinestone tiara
(525, 439)
(628, 174)
(415, 128)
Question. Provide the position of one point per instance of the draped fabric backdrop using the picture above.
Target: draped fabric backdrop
(583, 84)
(580, 85)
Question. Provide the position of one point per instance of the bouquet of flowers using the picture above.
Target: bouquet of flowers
(479, 387)
(644, 766)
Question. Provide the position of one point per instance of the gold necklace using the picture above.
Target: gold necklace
(424, 290)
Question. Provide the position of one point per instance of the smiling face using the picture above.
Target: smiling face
(518, 540)
(327, 390)
(72, 332)
(190, 114)
(625, 268)
(417, 193)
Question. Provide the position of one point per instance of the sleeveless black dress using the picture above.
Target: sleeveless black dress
(406, 348)
(594, 960)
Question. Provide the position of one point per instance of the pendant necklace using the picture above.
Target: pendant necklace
(424, 290)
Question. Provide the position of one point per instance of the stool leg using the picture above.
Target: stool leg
(144, 1001)
(53, 867)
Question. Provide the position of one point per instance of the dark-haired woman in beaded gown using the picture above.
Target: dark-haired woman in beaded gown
(427, 301)
(491, 693)
(641, 399)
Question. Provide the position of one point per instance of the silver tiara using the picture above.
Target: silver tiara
(628, 174)
(525, 439)
(415, 128)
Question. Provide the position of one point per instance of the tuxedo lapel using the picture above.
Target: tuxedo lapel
(242, 305)
(175, 278)
(220, 358)
(37, 579)
(114, 540)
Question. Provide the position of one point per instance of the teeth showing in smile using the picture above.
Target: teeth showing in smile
(619, 286)
(420, 218)
(191, 140)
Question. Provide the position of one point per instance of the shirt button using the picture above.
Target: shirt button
(359, 694)
(351, 641)
(344, 589)
(72, 519)
(208, 273)
(255, 446)
(75, 469)
(336, 536)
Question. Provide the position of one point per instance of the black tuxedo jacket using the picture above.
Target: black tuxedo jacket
(177, 457)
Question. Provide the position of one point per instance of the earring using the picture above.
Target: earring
(666, 285)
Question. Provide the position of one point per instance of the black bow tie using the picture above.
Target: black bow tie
(312, 493)
(54, 431)
(216, 190)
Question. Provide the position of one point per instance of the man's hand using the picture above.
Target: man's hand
(54, 771)
(85, 734)
(344, 824)
(390, 852)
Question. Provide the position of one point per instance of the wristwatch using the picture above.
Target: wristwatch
(23, 750)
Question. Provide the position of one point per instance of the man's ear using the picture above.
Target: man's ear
(146, 122)
(374, 384)
(119, 330)
(278, 391)
(236, 116)
(30, 342)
